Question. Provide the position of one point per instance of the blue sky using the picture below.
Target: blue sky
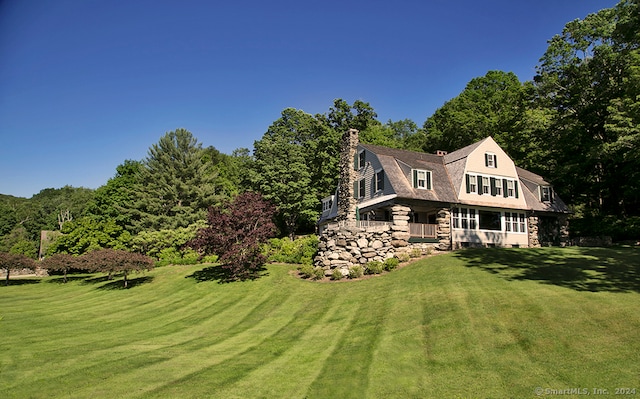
(85, 85)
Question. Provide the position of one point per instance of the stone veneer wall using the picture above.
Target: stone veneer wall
(348, 175)
(534, 237)
(443, 219)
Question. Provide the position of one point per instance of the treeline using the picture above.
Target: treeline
(577, 123)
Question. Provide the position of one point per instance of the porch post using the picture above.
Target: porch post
(443, 232)
(400, 227)
(534, 234)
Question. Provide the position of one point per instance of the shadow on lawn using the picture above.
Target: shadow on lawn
(614, 269)
(131, 283)
(116, 282)
(18, 281)
(222, 275)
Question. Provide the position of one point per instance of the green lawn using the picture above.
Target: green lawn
(477, 323)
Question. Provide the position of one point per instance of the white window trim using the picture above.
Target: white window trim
(375, 177)
(520, 223)
(428, 179)
(490, 158)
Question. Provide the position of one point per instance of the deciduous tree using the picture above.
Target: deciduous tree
(114, 261)
(235, 232)
(15, 262)
(61, 262)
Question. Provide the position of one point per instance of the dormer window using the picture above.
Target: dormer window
(360, 159)
(546, 194)
(327, 203)
(421, 179)
(490, 160)
(379, 180)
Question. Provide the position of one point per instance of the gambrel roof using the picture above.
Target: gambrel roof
(448, 177)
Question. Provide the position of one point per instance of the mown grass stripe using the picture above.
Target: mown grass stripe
(346, 371)
(208, 380)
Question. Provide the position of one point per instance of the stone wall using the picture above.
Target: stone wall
(343, 247)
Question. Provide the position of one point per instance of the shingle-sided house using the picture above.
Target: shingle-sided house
(475, 196)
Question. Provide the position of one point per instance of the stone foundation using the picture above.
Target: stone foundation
(343, 245)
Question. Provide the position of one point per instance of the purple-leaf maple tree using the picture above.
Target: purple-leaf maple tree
(9, 262)
(113, 261)
(236, 230)
(60, 262)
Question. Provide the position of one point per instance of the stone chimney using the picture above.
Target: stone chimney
(348, 176)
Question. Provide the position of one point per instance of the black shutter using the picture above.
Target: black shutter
(415, 178)
(515, 186)
(505, 188)
(493, 185)
(468, 183)
(429, 174)
(362, 189)
(479, 184)
(495, 160)
(486, 159)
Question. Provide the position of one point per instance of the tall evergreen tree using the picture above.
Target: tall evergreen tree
(175, 186)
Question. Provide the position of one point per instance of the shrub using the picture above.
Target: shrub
(318, 273)
(356, 271)
(415, 253)
(306, 271)
(336, 274)
(374, 267)
(209, 259)
(391, 263)
(403, 257)
(298, 251)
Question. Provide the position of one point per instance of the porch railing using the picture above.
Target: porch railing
(362, 224)
(423, 230)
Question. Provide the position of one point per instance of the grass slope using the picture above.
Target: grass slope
(488, 323)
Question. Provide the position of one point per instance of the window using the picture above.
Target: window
(546, 194)
(456, 218)
(359, 189)
(497, 187)
(485, 185)
(327, 204)
(379, 181)
(465, 218)
(489, 220)
(515, 222)
(490, 160)
(422, 179)
(510, 188)
(359, 161)
(472, 184)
